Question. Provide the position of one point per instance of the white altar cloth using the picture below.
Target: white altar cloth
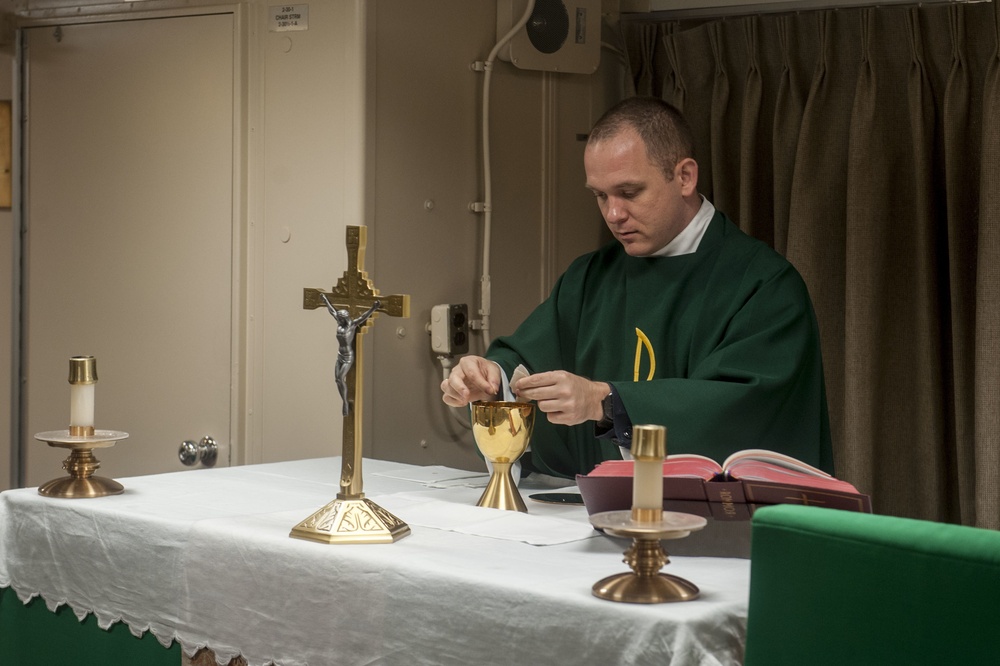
(204, 557)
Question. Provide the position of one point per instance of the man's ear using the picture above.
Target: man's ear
(686, 172)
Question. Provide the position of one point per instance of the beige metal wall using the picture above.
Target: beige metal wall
(407, 166)
(364, 118)
(425, 121)
(310, 161)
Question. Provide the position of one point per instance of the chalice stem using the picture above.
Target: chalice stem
(501, 493)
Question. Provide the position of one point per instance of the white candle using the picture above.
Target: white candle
(649, 448)
(647, 485)
(82, 379)
(81, 405)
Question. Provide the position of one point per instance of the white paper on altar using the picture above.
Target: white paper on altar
(430, 510)
(436, 476)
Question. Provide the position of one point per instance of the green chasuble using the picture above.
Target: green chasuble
(735, 353)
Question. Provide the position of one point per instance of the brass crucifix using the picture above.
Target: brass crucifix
(354, 303)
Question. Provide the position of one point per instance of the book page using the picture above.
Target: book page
(759, 470)
(692, 457)
(680, 465)
(774, 458)
(691, 464)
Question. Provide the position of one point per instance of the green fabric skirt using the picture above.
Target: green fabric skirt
(32, 635)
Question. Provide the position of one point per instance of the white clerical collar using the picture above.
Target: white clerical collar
(687, 241)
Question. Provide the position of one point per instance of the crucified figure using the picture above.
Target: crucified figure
(346, 328)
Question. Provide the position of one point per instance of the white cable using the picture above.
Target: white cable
(446, 363)
(485, 305)
(459, 414)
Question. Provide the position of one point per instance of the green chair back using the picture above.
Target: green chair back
(839, 588)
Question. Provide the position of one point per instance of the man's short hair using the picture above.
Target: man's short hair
(663, 130)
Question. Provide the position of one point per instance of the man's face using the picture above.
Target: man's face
(643, 209)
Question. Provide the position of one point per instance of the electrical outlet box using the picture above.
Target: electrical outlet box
(450, 329)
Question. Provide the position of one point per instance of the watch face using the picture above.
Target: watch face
(608, 405)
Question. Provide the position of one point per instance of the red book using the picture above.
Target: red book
(753, 476)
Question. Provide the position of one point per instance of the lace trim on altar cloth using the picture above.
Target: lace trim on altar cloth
(197, 653)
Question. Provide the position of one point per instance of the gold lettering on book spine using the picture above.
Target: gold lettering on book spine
(728, 507)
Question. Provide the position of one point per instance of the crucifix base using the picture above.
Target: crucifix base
(351, 520)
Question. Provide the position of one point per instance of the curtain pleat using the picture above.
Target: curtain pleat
(961, 166)
(864, 144)
(673, 84)
(755, 165)
(696, 69)
(725, 169)
(986, 446)
(640, 40)
(816, 229)
(785, 123)
(865, 243)
(937, 395)
(890, 341)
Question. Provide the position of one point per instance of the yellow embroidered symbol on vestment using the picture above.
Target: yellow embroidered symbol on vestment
(643, 341)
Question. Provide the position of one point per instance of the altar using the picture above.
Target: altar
(204, 558)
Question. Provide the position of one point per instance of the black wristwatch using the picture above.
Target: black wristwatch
(608, 407)
(615, 423)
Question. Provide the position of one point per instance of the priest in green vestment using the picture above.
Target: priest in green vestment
(682, 321)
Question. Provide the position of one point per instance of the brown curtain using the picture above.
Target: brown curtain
(864, 144)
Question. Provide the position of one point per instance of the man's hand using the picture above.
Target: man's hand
(566, 399)
(473, 378)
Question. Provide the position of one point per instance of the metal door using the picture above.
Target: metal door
(128, 202)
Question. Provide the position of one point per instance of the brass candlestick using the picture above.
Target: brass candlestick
(645, 584)
(647, 524)
(502, 431)
(81, 438)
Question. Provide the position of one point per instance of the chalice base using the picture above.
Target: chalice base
(71, 487)
(501, 493)
(351, 520)
(639, 589)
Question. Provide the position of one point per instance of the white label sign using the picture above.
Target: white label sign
(289, 17)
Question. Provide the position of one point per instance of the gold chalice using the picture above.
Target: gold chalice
(502, 431)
